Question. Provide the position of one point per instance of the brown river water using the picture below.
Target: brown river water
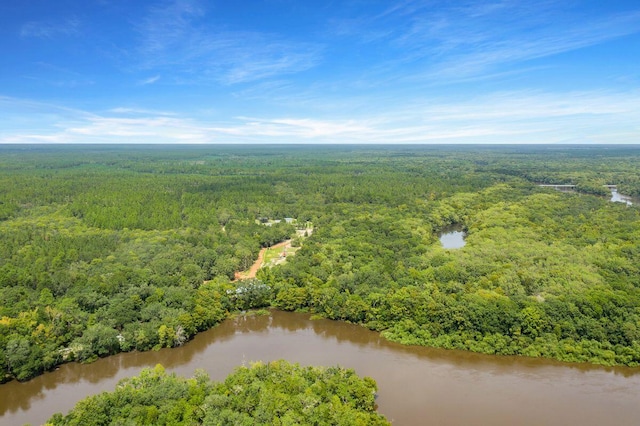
(417, 385)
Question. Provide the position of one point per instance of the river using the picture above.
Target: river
(417, 385)
(616, 197)
(620, 198)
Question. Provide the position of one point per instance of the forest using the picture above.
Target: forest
(105, 249)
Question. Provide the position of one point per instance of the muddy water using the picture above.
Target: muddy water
(417, 385)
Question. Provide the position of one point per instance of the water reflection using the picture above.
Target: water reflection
(415, 383)
(616, 197)
(619, 198)
(452, 237)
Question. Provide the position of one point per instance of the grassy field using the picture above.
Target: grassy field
(277, 255)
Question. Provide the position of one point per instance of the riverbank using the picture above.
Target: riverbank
(414, 383)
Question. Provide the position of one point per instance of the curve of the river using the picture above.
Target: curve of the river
(417, 385)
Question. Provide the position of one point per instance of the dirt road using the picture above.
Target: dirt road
(258, 263)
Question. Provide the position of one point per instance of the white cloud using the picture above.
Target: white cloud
(140, 111)
(507, 117)
(304, 129)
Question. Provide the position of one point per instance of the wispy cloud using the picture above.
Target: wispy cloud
(510, 117)
(534, 44)
(139, 111)
(303, 129)
(143, 129)
(507, 117)
(460, 40)
(150, 80)
(174, 38)
(50, 29)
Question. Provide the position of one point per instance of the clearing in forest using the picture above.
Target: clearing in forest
(274, 255)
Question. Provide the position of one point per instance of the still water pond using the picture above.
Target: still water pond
(417, 385)
(452, 237)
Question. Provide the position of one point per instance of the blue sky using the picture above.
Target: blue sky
(319, 71)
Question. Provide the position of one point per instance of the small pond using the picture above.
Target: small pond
(452, 237)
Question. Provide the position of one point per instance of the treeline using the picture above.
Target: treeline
(276, 393)
(107, 249)
(587, 167)
(553, 275)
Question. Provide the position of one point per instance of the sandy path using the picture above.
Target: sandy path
(258, 263)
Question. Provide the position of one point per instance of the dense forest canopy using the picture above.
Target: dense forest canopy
(118, 248)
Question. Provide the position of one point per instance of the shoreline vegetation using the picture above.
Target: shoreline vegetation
(120, 248)
(275, 393)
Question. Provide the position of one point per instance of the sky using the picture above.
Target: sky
(320, 71)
